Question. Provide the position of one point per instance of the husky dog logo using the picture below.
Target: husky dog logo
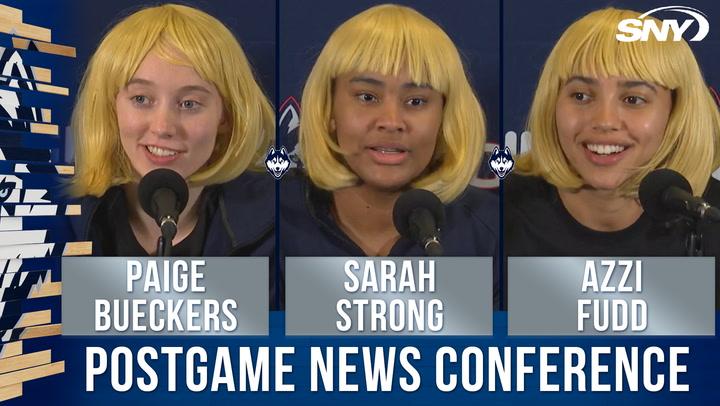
(501, 162)
(277, 162)
(6, 187)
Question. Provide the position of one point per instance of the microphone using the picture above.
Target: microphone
(664, 193)
(163, 194)
(419, 215)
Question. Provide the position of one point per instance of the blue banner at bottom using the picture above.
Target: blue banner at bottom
(380, 370)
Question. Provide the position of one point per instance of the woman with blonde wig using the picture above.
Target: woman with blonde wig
(170, 87)
(387, 107)
(605, 114)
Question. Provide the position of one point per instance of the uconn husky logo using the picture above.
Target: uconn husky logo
(277, 162)
(501, 162)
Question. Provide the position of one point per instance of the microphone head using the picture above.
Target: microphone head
(653, 187)
(412, 200)
(156, 180)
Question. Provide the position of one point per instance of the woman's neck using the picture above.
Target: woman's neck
(365, 215)
(146, 229)
(601, 210)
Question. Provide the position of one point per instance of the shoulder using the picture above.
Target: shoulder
(250, 196)
(305, 221)
(249, 187)
(712, 192)
(529, 197)
(300, 198)
(519, 186)
(293, 186)
(528, 193)
(711, 233)
(477, 205)
(90, 206)
(244, 212)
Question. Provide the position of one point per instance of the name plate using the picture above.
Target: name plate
(113, 296)
(611, 296)
(388, 296)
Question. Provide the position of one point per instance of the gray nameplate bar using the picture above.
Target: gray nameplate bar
(388, 296)
(165, 296)
(611, 296)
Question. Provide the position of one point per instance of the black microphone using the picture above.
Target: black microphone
(163, 194)
(419, 215)
(665, 193)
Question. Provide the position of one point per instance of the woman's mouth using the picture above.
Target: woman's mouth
(605, 149)
(160, 156)
(605, 154)
(161, 152)
(387, 155)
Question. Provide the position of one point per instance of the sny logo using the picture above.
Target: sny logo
(639, 29)
(277, 162)
(501, 162)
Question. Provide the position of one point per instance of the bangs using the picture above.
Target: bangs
(387, 41)
(589, 48)
(167, 49)
(184, 41)
(178, 35)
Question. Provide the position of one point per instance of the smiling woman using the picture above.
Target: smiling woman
(170, 87)
(168, 116)
(608, 127)
(605, 114)
(387, 108)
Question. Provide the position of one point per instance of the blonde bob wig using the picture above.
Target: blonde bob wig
(181, 35)
(691, 142)
(387, 39)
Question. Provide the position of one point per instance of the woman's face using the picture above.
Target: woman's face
(387, 126)
(609, 126)
(168, 117)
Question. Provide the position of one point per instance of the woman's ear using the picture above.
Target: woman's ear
(332, 126)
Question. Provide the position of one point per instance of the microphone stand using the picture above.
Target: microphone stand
(694, 242)
(693, 239)
(168, 229)
(161, 246)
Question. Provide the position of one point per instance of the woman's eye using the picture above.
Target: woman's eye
(581, 97)
(635, 100)
(366, 97)
(416, 102)
(140, 99)
(189, 104)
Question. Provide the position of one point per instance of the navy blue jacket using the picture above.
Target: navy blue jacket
(307, 229)
(242, 225)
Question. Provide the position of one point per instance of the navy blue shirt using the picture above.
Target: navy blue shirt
(308, 229)
(538, 224)
(238, 220)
